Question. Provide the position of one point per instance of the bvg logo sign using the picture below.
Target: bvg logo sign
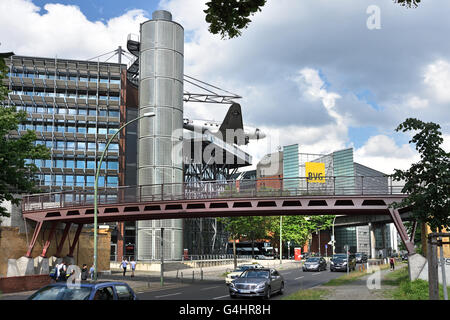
(315, 172)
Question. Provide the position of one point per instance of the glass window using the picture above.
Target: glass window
(101, 181)
(113, 181)
(91, 146)
(92, 130)
(69, 180)
(81, 129)
(102, 130)
(113, 146)
(70, 164)
(59, 180)
(81, 145)
(59, 163)
(80, 181)
(92, 112)
(113, 113)
(80, 164)
(113, 165)
(103, 80)
(70, 145)
(90, 164)
(113, 98)
(90, 181)
(101, 146)
(82, 111)
(71, 129)
(102, 113)
(123, 293)
(60, 145)
(47, 179)
(112, 130)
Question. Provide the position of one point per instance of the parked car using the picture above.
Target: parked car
(315, 264)
(257, 283)
(241, 268)
(263, 257)
(361, 257)
(106, 290)
(339, 262)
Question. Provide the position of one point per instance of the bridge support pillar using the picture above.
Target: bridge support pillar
(395, 215)
(372, 240)
(49, 239)
(75, 240)
(63, 239)
(37, 230)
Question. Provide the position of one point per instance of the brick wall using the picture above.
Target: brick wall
(25, 283)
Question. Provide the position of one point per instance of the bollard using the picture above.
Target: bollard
(192, 276)
(177, 273)
(181, 276)
(201, 273)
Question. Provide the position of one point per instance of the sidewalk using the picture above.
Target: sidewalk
(359, 290)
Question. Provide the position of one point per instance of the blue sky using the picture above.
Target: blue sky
(98, 10)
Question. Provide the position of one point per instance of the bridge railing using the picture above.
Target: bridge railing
(263, 187)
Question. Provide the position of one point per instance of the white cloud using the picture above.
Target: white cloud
(63, 30)
(381, 153)
(437, 77)
(417, 103)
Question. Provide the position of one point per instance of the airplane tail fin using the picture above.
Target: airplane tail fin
(233, 119)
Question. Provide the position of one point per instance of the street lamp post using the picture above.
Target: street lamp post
(332, 240)
(97, 173)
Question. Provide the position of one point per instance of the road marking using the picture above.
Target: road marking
(211, 288)
(315, 274)
(299, 277)
(221, 297)
(168, 295)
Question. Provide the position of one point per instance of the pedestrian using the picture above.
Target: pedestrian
(133, 266)
(91, 272)
(392, 263)
(84, 272)
(62, 272)
(124, 265)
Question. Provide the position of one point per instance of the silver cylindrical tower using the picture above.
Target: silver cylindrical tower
(160, 137)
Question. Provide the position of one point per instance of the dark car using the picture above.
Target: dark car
(361, 257)
(107, 290)
(257, 283)
(315, 264)
(339, 262)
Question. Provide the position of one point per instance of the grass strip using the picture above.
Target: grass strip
(308, 294)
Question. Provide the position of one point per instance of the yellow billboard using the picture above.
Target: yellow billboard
(315, 172)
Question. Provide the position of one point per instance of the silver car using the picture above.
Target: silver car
(257, 283)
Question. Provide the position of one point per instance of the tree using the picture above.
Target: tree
(229, 17)
(17, 175)
(427, 182)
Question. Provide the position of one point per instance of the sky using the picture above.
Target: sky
(325, 74)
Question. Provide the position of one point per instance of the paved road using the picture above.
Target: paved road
(295, 280)
(211, 289)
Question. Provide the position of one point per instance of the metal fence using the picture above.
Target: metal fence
(285, 187)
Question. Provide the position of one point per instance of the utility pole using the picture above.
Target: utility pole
(162, 257)
(281, 242)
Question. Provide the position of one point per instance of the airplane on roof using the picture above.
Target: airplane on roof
(230, 128)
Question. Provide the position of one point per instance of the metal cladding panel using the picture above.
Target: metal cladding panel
(148, 60)
(146, 154)
(164, 63)
(147, 93)
(147, 124)
(165, 126)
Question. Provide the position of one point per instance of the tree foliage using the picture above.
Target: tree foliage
(229, 17)
(428, 181)
(17, 176)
